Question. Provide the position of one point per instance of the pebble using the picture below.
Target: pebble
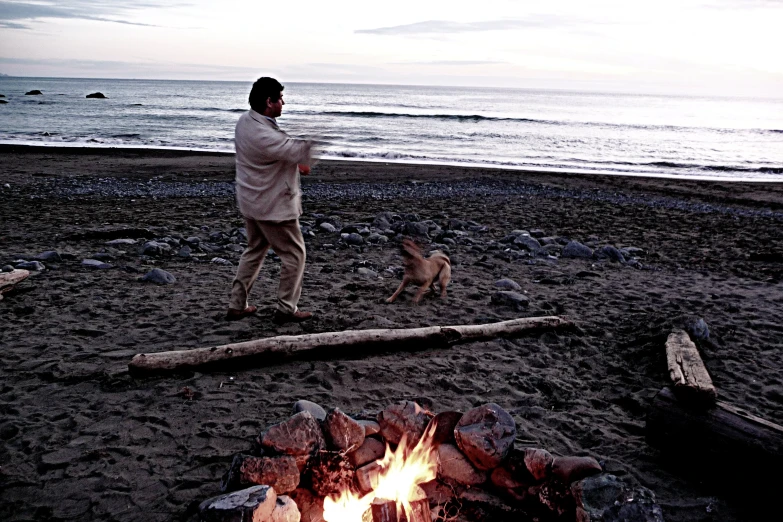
(159, 276)
(221, 261)
(511, 299)
(35, 266)
(315, 409)
(508, 284)
(49, 256)
(122, 241)
(96, 263)
(575, 249)
(256, 503)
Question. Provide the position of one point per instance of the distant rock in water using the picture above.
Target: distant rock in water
(3, 101)
(98, 95)
(2, 95)
(35, 92)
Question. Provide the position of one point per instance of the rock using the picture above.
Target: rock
(376, 238)
(331, 473)
(159, 277)
(445, 422)
(155, 248)
(96, 263)
(366, 272)
(370, 427)
(538, 463)
(2, 102)
(504, 478)
(311, 507)
(285, 510)
(453, 465)
(537, 233)
(508, 284)
(344, 433)
(184, 252)
(511, 299)
(485, 435)
(570, 469)
(327, 227)
(7, 268)
(370, 450)
(35, 266)
(697, 329)
(251, 504)
(221, 261)
(403, 419)
(416, 229)
(49, 256)
(280, 472)
(527, 243)
(97, 95)
(315, 410)
(34, 92)
(353, 239)
(606, 498)
(575, 249)
(121, 241)
(300, 435)
(611, 253)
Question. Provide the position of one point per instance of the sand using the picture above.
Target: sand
(84, 440)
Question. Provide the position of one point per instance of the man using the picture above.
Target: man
(268, 164)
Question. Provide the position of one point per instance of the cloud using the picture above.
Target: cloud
(15, 14)
(446, 27)
(452, 62)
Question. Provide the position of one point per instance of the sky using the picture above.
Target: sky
(719, 47)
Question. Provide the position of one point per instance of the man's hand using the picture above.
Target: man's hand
(304, 169)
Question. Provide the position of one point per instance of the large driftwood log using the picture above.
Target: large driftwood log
(724, 435)
(692, 382)
(10, 279)
(290, 344)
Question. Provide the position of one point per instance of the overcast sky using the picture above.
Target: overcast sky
(680, 46)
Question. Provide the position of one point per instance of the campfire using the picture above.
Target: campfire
(408, 464)
(395, 489)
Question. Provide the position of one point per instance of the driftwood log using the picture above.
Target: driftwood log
(724, 435)
(287, 345)
(692, 382)
(10, 279)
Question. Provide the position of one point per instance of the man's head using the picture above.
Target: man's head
(266, 97)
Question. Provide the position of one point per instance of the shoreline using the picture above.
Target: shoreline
(93, 149)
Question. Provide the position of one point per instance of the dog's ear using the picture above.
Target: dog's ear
(410, 249)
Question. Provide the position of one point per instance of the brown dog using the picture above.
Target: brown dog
(423, 271)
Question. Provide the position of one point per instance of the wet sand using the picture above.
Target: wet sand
(82, 439)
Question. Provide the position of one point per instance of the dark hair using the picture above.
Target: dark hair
(264, 88)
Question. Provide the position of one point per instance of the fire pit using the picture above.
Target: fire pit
(408, 464)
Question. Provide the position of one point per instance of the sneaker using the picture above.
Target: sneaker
(296, 317)
(234, 315)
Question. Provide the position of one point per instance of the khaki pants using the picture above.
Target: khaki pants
(287, 241)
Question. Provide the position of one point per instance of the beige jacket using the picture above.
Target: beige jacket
(267, 181)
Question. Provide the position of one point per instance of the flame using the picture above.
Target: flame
(402, 470)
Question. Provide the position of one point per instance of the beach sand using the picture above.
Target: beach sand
(84, 440)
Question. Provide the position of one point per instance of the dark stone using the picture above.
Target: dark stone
(256, 503)
(607, 498)
(97, 95)
(342, 432)
(353, 239)
(445, 422)
(34, 92)
(611, 253)
(155, 248)
(576, 249)
(35, 266)
(159, 277)
(508, 284)
(485, 435)
(527, 242)
(697, 329)
(570, 469)
(96, 263)
(331, 473)
(406, 419)
(416, 229)
(49, 256)
(514, 300)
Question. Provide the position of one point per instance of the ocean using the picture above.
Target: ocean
(523, 129)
